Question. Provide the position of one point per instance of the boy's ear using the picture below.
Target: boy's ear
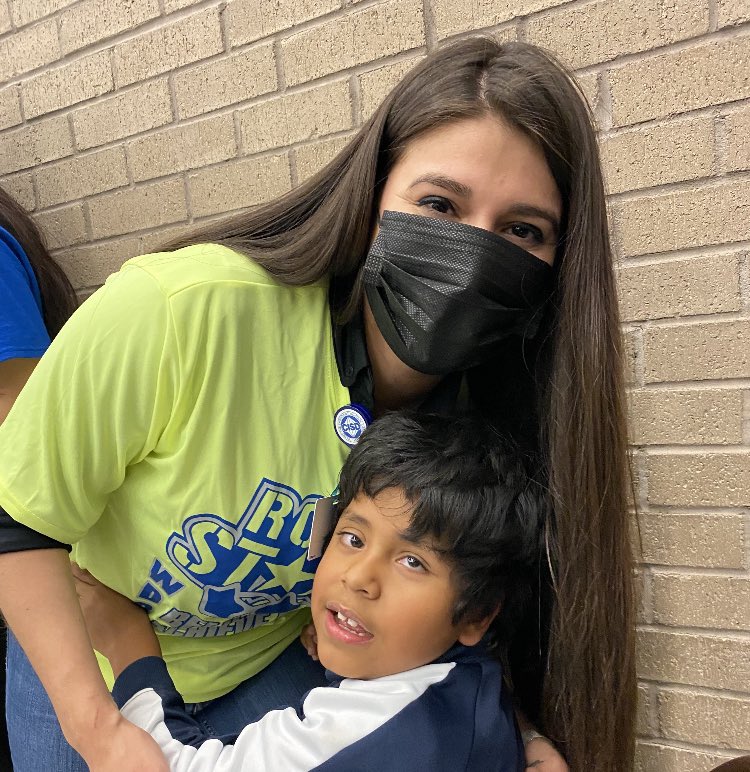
(470, 633)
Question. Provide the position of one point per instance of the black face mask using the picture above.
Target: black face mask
(445, 294)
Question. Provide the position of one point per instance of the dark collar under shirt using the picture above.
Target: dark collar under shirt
(355, 372)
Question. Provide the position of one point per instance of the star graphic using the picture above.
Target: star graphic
(286, 577)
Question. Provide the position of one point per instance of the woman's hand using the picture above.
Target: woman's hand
(122, 747)
(309, 639)
(542, 756)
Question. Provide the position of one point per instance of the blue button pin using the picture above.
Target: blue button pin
(349, 422)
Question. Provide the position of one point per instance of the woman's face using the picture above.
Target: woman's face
(481, 172)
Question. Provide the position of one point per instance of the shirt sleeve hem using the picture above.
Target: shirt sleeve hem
(24, 516)
(22, 353)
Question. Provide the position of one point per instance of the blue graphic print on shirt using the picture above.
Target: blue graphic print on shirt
(249, 572)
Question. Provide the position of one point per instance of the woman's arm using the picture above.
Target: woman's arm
(39, 602)
(13, 375)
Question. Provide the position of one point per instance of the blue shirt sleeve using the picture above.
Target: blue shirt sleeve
(22, 330)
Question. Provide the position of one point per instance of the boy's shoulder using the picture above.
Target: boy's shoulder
(448, 715)
(407, 713)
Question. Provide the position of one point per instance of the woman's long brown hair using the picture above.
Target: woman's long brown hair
(324, 226)
(58, 296)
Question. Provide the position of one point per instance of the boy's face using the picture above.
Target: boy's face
(382, 604)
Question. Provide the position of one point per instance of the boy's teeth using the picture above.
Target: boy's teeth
(351, 623)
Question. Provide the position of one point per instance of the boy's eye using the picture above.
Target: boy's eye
(349, 539)
(415, 564)
(438, 204)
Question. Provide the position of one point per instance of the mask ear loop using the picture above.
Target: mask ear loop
(336, 514)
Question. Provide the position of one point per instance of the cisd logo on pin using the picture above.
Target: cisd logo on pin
(349, 422)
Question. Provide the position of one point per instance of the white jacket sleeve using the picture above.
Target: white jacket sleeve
(330, 720)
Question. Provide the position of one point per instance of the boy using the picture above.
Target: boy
(438, 526)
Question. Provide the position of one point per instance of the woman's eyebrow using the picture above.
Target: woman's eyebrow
(442, 181)
(529, 210)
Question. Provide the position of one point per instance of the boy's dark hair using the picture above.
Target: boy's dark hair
(471, 495)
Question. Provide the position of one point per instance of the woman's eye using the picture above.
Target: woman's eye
(436, 204)
(351, 540)
(415, 564)
(526, 233)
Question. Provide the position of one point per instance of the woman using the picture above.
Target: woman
(35, 295)
(455, 253)
(36, 298)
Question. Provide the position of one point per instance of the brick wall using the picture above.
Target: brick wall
(122, 123)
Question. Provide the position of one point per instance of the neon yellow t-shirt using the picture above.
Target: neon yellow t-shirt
(178, 433)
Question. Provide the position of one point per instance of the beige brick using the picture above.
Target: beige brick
(715, 214)
(187, 146)
(688, 600)
(174, 5)
(686, 417)
(705, 285)
(713, 661)
(64, 86)
(250, 20)
(89, 266)
(737, 126)
(454, 16)
(29, 49)
(168, 48)
(698, 76)
(644, 709)
(361, 36)
(21, 187)
(313, 157)
(375, 85)
(96, 20)
(141, 208)
(35, 143)
(244, 183)
(130, 112)
(81, 176)
(733, 12)
(296, 117)
(225, 82)
(62, 227)
(506, 33)
(5, 23)
(630, 354)
(654, 756)
(156, 240)
(670, 152)
(26, 11)
(702, 541)
(642, 596)
(700, 351)
(705, 719)
(589, 84)
(10, 107)
(699, 479)
(600, 31)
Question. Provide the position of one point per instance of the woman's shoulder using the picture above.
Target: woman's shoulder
(13, 260)
(200, 266)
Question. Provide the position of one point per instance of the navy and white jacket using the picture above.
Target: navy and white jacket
(447, 716)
